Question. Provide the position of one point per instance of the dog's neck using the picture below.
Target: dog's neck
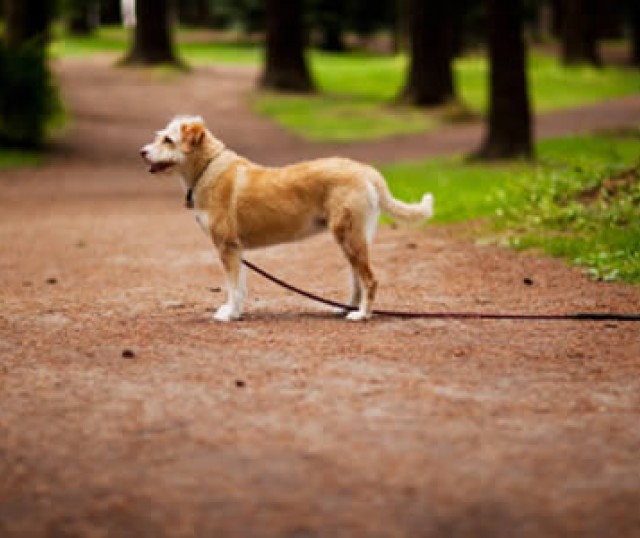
(192, 174)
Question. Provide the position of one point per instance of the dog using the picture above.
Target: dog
(242, 205)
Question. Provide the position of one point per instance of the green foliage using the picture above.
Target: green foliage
(28, 99)
(11, 158)
(580, 202)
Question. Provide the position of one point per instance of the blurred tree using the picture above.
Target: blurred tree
(285, 66)
(28, 98)
(328, 16)
(430, 77)
(509, 131)
(27, 21)
(364, 17)
(634, 22)
(579, 19)
(83, 16)
(152, 42)
(248, 15)
(110, 12)
(197, 13)
(401, 30)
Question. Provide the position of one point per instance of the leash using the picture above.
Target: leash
(578, 316)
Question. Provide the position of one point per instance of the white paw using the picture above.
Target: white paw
(225, 313)
(357, 315)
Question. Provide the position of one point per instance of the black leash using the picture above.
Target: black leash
(578, 316)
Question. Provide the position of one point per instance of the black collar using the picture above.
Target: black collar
(188, 200)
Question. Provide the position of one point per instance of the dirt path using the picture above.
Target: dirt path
(291, 423)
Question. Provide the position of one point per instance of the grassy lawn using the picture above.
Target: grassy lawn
(581, 201)
(352, 83)
(357, 89)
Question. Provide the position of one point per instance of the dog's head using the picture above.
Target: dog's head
(175, 144)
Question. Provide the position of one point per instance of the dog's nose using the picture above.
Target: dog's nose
(143, 152)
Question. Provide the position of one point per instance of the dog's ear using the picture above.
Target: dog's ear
(192, 135)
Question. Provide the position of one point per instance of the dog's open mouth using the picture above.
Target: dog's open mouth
(154, 168)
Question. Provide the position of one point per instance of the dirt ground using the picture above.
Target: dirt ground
(125, 412)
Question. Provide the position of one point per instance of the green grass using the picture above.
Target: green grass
(372, 82)
(14, 158)
(357, 89)
(562, 206)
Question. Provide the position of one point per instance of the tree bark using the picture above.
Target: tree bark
(285, 66)
(152, 42)
(635, 33)
(84, 17)
(430, 77)
(27, 21)
(330, 20)
(110, 12)
(195, 13)
(509, 131)
(579, 32)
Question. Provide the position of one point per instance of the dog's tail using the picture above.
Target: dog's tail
(396, 208)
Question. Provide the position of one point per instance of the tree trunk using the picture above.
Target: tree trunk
(509, 130)
(84, 17)
(285, 66)
(579, 32)
(430, 77)
(401, 27)
(635, 33)
(330, 20)
(110, 12)
(152, 43)
(27, 21)
(194, 12)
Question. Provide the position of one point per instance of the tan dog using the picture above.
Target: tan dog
(242, 205)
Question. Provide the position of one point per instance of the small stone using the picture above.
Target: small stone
(173, 304)
(527, 281)
(412, 246)
(240, 383)
(128, 354)
(52, 281)
(217, 289)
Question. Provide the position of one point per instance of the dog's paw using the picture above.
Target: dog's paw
(356, 315)
(225, 313)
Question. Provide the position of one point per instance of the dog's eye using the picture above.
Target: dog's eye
(167, 140)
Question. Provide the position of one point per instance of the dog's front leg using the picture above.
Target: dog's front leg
(231, 258)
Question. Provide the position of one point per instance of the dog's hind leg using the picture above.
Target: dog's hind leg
(371, 222)
(351, 234)
(231, 258)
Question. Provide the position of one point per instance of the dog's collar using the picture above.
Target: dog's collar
(188, 200)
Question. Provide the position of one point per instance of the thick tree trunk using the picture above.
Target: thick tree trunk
(84, 16)
(579, 32)
(152, 43)
(330, 17)
(27, 21)
(285, 67)
(509, 131)
(430, 77)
